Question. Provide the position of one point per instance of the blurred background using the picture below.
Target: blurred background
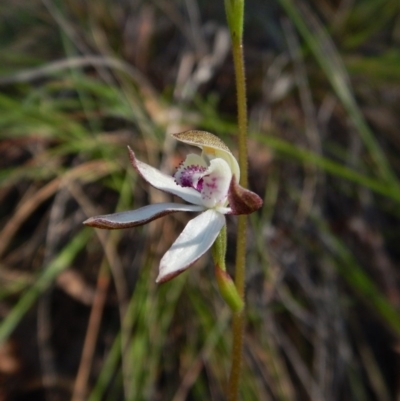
(81, 315)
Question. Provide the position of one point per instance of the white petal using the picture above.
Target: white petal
(138, 217)
(197, 237)
(190, 171)
(193, 159)
(212, 147)
(212, 154)
(216, 181)
(163, 181)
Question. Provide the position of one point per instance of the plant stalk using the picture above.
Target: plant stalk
(239, 317)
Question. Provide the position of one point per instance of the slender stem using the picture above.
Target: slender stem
(237, 346)
(238, 61)
(239, 317)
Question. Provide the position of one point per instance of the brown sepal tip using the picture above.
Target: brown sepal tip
(242, 200)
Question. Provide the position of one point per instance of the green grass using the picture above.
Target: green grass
(322, 293)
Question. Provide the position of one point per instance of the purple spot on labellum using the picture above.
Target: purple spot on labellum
(190, 176)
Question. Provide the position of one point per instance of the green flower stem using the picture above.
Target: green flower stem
(234, 10)
(225, 283)
(238, 61)
(234, 14)
(219, 249)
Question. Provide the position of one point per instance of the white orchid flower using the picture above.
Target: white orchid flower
(208, 182)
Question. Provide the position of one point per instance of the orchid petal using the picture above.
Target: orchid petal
(212, 154)
(197, 237)
(242, 200)
(212, 147)
(216, 181)
(190, 171)
(138, 217)
(193, 159)
(164, 182)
